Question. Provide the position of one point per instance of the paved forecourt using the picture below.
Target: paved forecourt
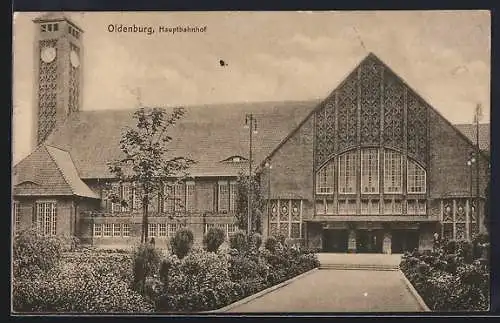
(343, 290)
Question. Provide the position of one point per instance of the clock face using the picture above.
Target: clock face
(75, 60)
(48, 54)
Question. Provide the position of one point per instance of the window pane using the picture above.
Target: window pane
(168, 198)
(392, 171)
(369, 171)
(180, 195)
(162, 229)
(190, 196)
(347, 172)
(152, 229)
(97, 230)
(233, 188)
(416, 178)
(107, 229)
(125, 229)
(116, 230)
(324, 179)
(223, 197)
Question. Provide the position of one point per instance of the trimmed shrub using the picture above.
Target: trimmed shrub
(198, 282)
(77, 287)
(146, 263)
(213, 239)
(271, 244)
(239, 241)
(34, 253)
(182, 242)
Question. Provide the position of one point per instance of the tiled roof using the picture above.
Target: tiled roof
(469, 130)
(49, 171)
(69, 172)
(208, 134)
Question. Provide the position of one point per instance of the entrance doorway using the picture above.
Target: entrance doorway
(404, 240)
(335, 240)
(369, 241)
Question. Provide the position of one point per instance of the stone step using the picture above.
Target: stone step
(358, 267)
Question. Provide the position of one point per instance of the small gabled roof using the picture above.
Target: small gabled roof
(469, 130)
(49, 171)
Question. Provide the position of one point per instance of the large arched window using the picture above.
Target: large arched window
(347, 173)
(369, 171)
(393, 172)
(324, 178)
(415, 177)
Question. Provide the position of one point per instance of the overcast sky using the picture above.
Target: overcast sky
(271, 56)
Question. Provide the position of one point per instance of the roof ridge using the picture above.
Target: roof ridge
(215, 104)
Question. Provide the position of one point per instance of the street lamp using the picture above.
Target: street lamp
(471, 163)
(269, 167)
(251, 125)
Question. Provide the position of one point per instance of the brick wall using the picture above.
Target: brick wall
(448, 173)
(292, 167)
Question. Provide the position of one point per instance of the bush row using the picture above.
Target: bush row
(452, 277)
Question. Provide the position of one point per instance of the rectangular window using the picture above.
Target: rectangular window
(190, 202)
(125, 196)
(97, 230)
(231, 229)
(223, 201)
(56, 27)
(107, 230)
(162, 229)
(351, 207)
(136, 197)
(180, 197)
(116, 230)
(370, 207)
(347, 173)
(342, 204)
(125, 230)
(171, 229)
(115, 192)
(422, 207)
(388, 207)
(152, 230)
(324, 179)
(233, 190)
(46, 215)
(398, 207)
(415, 177)
(17, 216)
(369, 171)
(393, 163)
(43, 28)
(168, 198)
(411, 207)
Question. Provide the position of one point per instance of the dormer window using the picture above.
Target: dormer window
(235, 159)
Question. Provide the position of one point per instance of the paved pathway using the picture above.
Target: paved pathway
(339, 291)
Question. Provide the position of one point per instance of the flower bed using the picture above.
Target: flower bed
(205, 281)
(451, 278)
(146, 280)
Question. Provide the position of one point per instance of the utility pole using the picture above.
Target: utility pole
(477, 116)
(251, 123)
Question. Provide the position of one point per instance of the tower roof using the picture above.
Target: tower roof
(54, 16)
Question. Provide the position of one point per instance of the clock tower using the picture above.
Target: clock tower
(58, 72)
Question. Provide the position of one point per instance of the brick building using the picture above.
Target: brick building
(371, 168)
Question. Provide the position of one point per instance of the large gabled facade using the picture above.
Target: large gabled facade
(371, 168)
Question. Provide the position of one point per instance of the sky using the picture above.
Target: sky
(269, 56)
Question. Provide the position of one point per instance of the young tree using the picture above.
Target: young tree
(258, 204)
(146, 161)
